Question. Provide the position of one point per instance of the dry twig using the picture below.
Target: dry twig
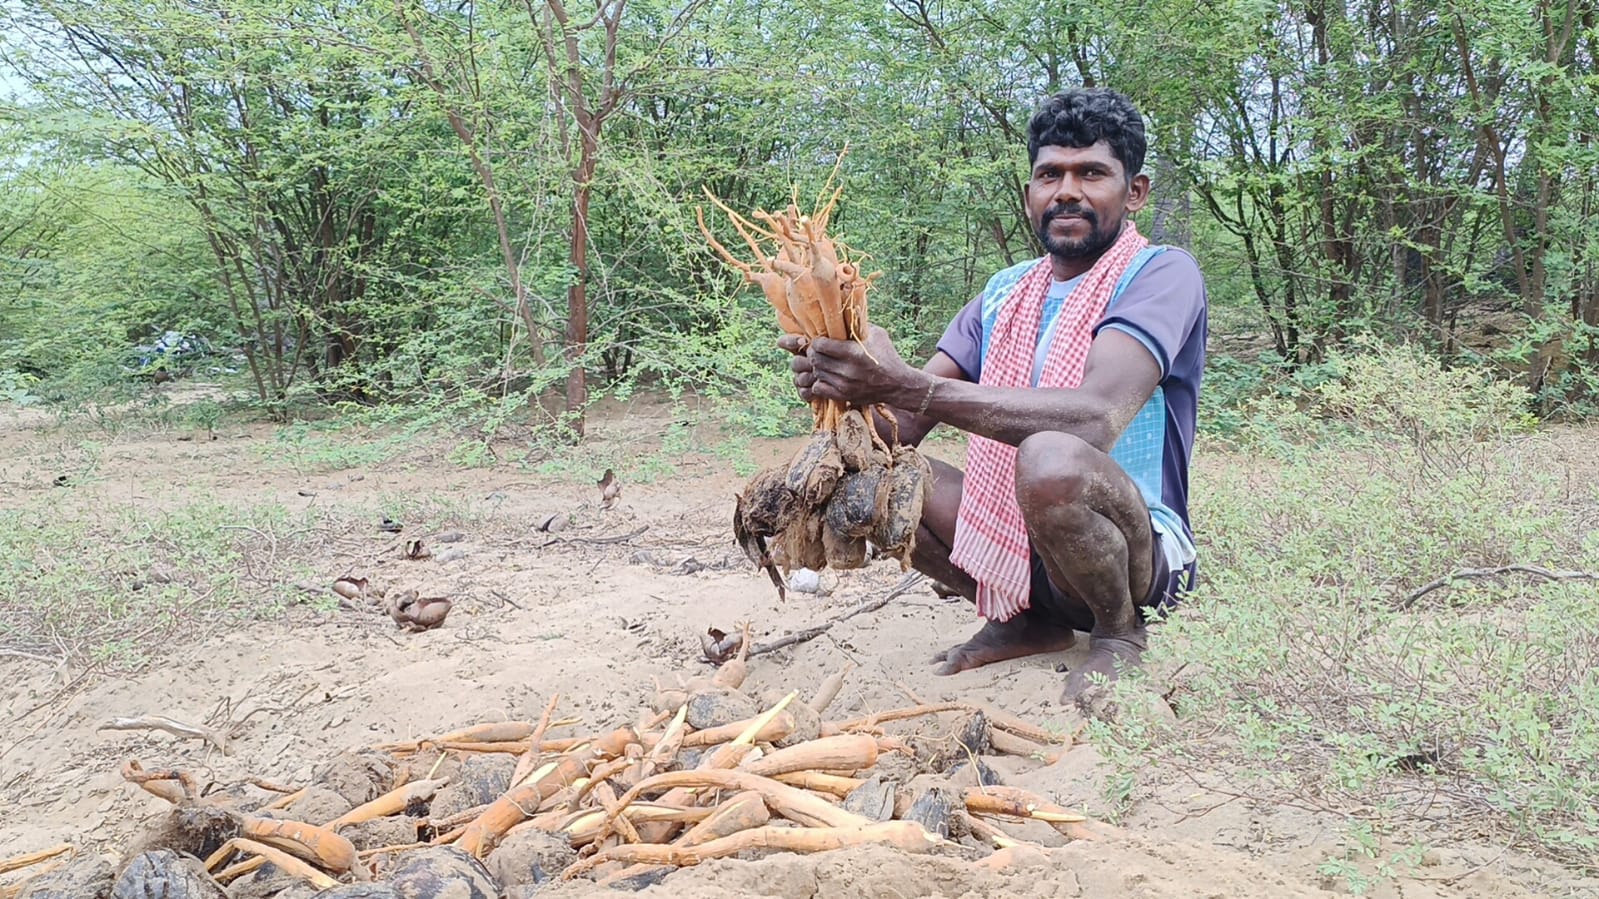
(176, 728)
(1535, 570)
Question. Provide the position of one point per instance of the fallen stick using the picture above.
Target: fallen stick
(598, 541)
(173, 727)
(1535, 570)
(906, 584)
(16, 863)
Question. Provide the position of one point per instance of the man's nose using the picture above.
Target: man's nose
(1068, 189)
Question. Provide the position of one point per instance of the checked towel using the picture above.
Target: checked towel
(991, 541)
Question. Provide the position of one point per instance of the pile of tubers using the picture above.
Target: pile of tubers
(847, 490)
(496, 809)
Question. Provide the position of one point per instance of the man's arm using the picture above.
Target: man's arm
(913, 428)
(1119, 377)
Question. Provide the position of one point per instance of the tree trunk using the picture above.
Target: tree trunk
(577, 309)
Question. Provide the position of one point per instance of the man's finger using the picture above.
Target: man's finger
(826, 346)
(794, 343)
(800, 363)
(823, 390)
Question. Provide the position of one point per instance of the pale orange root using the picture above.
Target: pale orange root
(1008, 743)
(904, 835)
(828, 691)
(583, 827)
(392, 802)
(845, 752)
(18, 862)
(529, 758)
(517, 804)
(176, 787)
(286, 800)
(284, 861)
(776, 729)
(821, 782)
(1017, 803)
(314, 844)
(792, 803)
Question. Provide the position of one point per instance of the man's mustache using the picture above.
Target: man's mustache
(1082, 212)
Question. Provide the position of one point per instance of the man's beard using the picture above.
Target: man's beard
(1090, 247)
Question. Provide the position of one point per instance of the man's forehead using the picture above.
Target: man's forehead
(1055, 154)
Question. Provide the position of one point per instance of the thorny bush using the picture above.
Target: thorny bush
(1308, 670)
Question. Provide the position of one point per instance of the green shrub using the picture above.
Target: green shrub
(1312, 664)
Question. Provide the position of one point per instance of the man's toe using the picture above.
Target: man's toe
(952, 661)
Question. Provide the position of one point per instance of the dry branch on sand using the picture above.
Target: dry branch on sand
(847, 487)
(627, 802)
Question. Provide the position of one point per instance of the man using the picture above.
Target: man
(1076, 377)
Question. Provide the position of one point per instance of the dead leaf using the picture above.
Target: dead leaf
(610, 489)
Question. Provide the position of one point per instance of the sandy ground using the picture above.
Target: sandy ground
(595, 622)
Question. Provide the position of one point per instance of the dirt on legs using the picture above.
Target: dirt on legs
(1090, 526)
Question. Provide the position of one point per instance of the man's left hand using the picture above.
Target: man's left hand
(861, 373)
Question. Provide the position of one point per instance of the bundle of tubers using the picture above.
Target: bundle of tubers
(618, 804)
(847, 486)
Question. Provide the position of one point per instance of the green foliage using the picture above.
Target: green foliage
(1314, 665)
(305, 194)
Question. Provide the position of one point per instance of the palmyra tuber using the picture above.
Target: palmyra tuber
(846, 486)
(627, 800)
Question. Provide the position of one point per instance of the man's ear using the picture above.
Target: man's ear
(1138, 192)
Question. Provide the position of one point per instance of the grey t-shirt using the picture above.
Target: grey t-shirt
(1163, 307)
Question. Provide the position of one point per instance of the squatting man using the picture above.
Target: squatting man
(1076, 377)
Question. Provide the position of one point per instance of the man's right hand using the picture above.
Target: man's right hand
(804, 373)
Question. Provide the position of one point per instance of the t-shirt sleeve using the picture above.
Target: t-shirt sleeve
(1160, 307)
(963, 339)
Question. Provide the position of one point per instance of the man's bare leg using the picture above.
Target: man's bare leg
(1026, 634)
(1090, 524)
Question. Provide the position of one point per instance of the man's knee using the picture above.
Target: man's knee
(1052, 470)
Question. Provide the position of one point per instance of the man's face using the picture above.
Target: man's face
(1078, 197)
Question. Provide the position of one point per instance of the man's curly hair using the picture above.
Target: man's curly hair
(1082, 117)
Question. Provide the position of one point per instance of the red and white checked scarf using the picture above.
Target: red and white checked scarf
(990, 536)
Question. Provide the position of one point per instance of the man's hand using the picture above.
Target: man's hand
(861, 373)
(804, 373)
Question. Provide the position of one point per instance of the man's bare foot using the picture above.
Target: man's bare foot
(1107, 656)
(1026, 634)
